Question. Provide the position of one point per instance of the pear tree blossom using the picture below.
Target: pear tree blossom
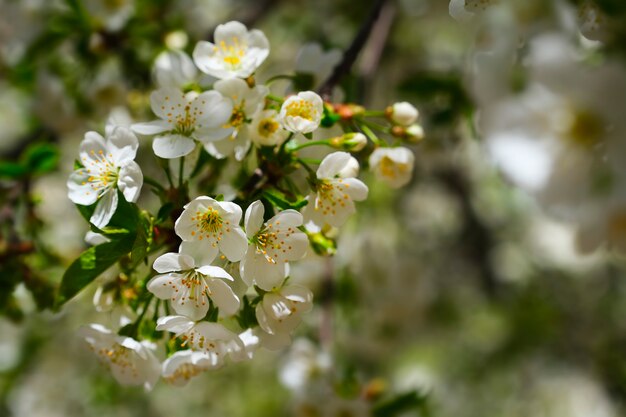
(189, 282)
(302, 113)
(236, 53)
(271, 246)
(130, 361)
(212, 225)
(184, 119)
(246, 103)
(394, 166)
(108, 166)
(280, 311)
(336, 190)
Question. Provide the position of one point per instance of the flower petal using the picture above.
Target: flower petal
(105, 208)
(254, 218)
(122, 145)
(233, 244)
(130, 181)
(223, 296)
(172, 146)
(151, 128)
(171, 262)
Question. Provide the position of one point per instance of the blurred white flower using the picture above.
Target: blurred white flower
(183, 365)
(130, 361)
(174, 68)
(394, 166)
(336, 191)
(188, 280)
(213, 339)
(113, 15)
(108, 166)
(302, 113)
(313, 60)
(209, 224)
(271, 246)
(280, 311)
(236, 53)
(304, 363)
(592, 21)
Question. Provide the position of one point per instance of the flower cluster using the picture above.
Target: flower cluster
(220, 282)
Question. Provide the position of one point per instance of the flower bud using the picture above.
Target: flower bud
(402, 113)
(414, 133)
(352, 142)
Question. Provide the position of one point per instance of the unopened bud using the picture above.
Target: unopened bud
(415, 133)
(349, 111)
(176, 40)
(402, 113)
(353, 142)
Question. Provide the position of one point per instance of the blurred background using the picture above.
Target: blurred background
(491, 285)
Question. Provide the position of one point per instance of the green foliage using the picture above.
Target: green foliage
(402, 404)
(37, 159)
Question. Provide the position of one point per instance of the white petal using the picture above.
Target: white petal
(215, 272)
(246, 266)
(201, 253)
(170, 262)
(123, 145)
(355, 188)
(130, 181)
(160, 285)
(80, 191)
(175, 324)
(333, 164)
(297, 294)
(212, 108)
(227, 31)
(104, 209)
(254, 218)
(231, 212)
(268, 275)
(286, 219)
(92, 144)
(152, 128)
(172, 146)
(224, 297)
(167, 101)
(235, 89)
(233, 244)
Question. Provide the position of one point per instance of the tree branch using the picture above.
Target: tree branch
(351, 54)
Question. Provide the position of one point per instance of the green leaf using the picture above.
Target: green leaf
(12, 170)
(400, 404)
(89, 265)
(144, 239)
(40, 158)
(279, 199)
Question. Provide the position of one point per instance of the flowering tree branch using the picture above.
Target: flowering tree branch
(351, 54)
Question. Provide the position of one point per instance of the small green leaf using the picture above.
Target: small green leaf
(12, 170)
(279, 199)
(40, 158)
(89, 265)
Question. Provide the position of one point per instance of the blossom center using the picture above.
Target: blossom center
(301, 108)
(238, 117)
(185, 371)
(185, 122)
(231, 54)
(209, 224)
(270, 242)
(103, 174)
(267, 127)
(330, 195)
(389, 168)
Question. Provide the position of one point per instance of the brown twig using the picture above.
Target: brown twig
(352, 53)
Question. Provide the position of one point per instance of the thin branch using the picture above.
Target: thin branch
(351, 54)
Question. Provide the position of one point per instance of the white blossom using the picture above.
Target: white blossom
(213, 339)
(271, 246)
(313, 60)
(266, 130)
(336, 191)
(108, 165)
(280, 311)
(183, 365)
(130, 361)
(183, 118)
(394, 166)
(188, 280)
(236, 53)
(213, 225)
(246, 103)
(302, 113)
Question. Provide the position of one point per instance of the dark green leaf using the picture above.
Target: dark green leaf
(280, 200)
(12, 170)
(400, 404)
(89, 265)
(41, 158)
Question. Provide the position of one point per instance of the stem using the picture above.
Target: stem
(153, 183)
(181, 170)
(351, 54)
(275, 98)
(312, 143)
(374, 113)
(279, 77)
(370, 134)
(306, 166)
